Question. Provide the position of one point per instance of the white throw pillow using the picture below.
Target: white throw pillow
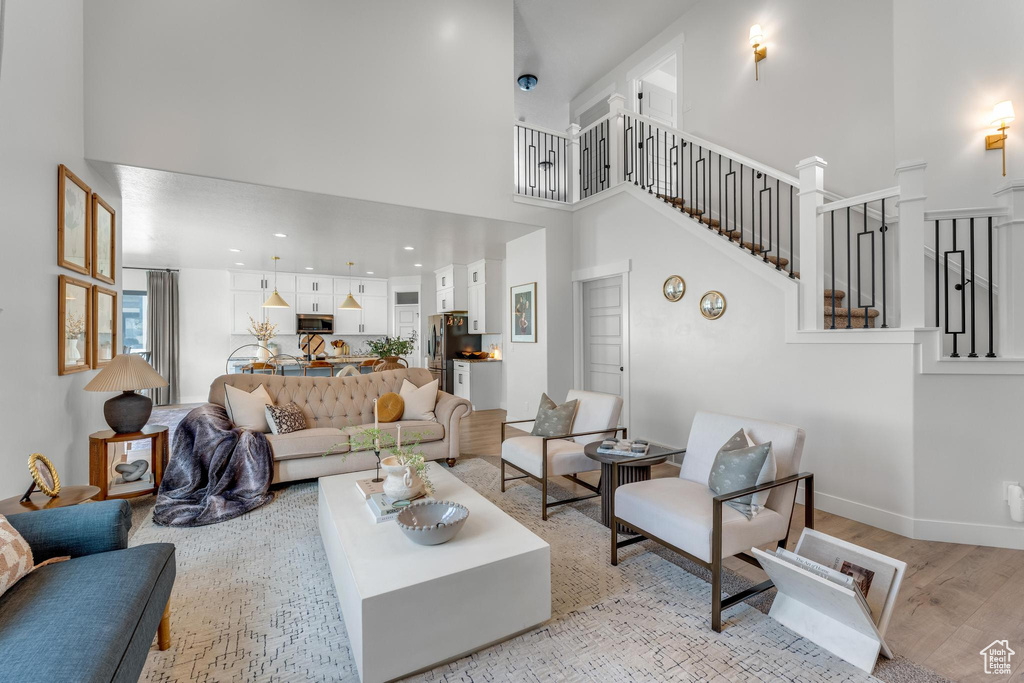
(419, 401)
(248, 410)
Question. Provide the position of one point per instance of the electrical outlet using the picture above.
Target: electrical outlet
(1006, 488)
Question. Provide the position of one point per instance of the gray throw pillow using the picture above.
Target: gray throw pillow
(553, 419)
(740, 465)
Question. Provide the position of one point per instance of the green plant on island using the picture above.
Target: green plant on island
(392, 346)
(408, 454)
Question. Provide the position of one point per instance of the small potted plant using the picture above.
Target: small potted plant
(263, 331)
(390, 351)
(406, 468)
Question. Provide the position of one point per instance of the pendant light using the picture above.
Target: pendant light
(275, 300)
(350, 303)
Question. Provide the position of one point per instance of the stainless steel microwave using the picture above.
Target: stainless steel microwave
(314, 324)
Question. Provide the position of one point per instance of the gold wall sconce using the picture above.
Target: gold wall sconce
(1002, 117)
(760, 49)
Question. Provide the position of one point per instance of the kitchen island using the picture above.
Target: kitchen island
(295, 365)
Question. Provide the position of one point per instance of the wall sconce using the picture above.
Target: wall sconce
(760, 49)
(1002, 116)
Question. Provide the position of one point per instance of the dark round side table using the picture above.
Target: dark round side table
(624, 469)
(69, 495)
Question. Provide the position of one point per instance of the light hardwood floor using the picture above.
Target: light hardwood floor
(955, 599)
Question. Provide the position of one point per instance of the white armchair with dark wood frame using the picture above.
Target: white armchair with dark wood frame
(540, 457)
(684, 515)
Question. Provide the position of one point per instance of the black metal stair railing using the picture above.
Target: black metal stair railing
(736, 197)
(595, 162)
(541, 164)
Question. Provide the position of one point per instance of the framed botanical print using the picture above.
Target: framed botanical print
(524, 313)
(74, 237)
(104, 240)
(74, 348)
(104, 335)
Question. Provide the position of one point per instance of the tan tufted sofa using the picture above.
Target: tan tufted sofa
(337, 408)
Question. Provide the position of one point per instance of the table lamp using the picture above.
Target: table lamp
(128, 372)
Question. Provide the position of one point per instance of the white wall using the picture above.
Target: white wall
(389, 101)
(953, 62)
(526, 364)
(41, 101)
(204, 312)
(854, 401)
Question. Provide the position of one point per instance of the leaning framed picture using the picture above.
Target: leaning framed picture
(524, 313)
(74, 237)
(104, 335)
(104, 240)
(74, 347)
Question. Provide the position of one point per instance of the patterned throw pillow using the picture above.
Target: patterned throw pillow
(553, 419)
(15, 555)
(285, 419)
(740, 464)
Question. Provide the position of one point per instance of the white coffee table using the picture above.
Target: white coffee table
(409, 607)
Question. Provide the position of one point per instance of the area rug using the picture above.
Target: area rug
(254, 601)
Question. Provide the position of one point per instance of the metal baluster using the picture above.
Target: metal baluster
(938, 253)
(740, 240)
(849, 275)
(720, 224)
(832, 214)
(991, 280)
(792, 244)
(954, 354)
(778, 226)
(884, 229)
(860, 268)
(974, 277)
(753, 191)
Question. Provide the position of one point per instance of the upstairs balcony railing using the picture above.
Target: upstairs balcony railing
(862, 262)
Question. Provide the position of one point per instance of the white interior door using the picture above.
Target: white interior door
(407, 321)
(658, 103)
(604, 325)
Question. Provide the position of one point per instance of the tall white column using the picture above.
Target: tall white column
(812, 243)
(616, 105)
(573, 131)
(1010, 271)
(910, 243)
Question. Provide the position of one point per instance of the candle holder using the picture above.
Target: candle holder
(377, 479)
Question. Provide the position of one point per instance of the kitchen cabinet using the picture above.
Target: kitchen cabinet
(314, 284)
(256, 281)
(451, 290)
(478, 383)
(485, 297)
(315, 304)
(250, 290)
(371, 320)
(357, 286)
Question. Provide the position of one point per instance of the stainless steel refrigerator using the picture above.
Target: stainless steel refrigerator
(448, 334)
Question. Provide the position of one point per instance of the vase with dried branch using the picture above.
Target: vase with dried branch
(264, 331)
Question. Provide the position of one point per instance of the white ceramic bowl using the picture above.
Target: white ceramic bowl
(431, 522)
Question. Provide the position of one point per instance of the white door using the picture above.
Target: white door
(407, 321)
(658, 103)
(604, 324)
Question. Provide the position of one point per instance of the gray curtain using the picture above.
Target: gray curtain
(163, 332)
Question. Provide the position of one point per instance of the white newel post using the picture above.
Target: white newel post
(812, 243)
(910, 243)
(1010, 271)
(616, 105)
(573, 131)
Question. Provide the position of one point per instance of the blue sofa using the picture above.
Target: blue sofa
(93, 617)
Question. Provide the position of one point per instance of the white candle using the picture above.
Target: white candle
(399, 436)
(376, 425)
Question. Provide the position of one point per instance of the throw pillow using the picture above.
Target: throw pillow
(419, 401)
(390, 407)
(285, 419)
(553, 419)
(15, 555)
(740, 464)
(248, 410)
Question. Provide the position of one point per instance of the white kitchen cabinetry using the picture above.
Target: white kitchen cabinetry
(314, 284)
(371, 320)
(452, 294)
(314, 304)
(250, 290)
(485, 297)
(478, 383)
(252, 282)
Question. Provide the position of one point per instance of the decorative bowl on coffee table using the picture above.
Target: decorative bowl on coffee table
(431, 522)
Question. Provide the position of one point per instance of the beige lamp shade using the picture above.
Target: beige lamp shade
(756, 35)
(275, 300)
(350, 304)
(1002, 114)
(127, 372)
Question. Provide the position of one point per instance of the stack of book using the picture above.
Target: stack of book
(634, 449)
(382, 507)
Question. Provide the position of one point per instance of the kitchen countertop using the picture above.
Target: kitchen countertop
(477, 360)
(289, 361)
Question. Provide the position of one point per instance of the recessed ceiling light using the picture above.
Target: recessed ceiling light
(409, 248)
(418, 265)
(239, 264)
(369, 272)
(236, 251)
(309, 267)
(280, 234)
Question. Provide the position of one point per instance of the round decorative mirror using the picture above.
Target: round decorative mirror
(44, 474)
(674, 288)
(712, 305)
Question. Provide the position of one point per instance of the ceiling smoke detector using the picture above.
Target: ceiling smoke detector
(527, 82)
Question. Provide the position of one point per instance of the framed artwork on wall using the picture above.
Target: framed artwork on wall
(524, 313)
(74, 222)
(104, 336)
(104, 240)
(74, 348)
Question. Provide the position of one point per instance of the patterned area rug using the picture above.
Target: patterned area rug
(254, 601)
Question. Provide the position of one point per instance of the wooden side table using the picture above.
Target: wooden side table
(69, 495)
(105, 447)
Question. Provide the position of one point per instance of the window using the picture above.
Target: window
(133, 319)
